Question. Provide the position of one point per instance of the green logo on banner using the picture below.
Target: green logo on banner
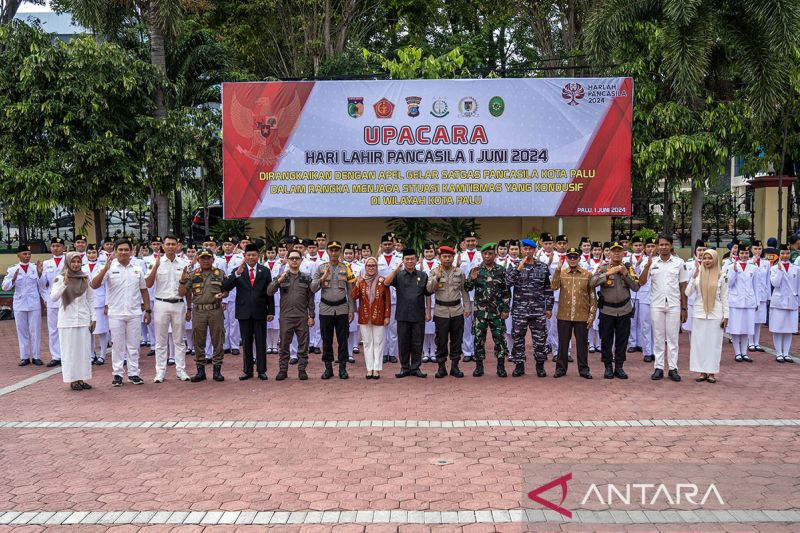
(496, 106)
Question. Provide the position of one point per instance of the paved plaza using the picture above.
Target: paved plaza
(387, 455)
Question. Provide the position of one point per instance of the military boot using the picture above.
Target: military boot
(454, 370)
(519, 369)
(218, 373)
(343, 371)
(609, 373)
(501, 368)
(442, 371)
(478, 372)
(540, 372)
(328, 374)
(200, 376)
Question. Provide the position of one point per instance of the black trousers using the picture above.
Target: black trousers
(409, 343)
(614, 332)
(327, 325)
(451, 329)
(254, 330)
(565, 331)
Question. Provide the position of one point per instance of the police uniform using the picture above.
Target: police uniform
(451, 301)
(50, 270)
(533, 298)
(207, 316)
(491, 299)
(467, 260)
(27, 308)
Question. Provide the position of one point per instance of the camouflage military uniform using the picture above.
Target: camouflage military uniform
(492, 297)
(207, 312)
(533, 297)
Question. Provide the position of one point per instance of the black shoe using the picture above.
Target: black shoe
(419, 373)
(649, 358)
(317, 350)
(441, 372)
(53, 362)
(609, 372)
(392, 359)
(519, 370)
(657, 374)
(351, 359)
(263, 377)
(673, 375)
(569, 359)
(403, 374)
(585, 374)
(560, 373)
(293, 360)
(343, 371)
(136, 380)
(200, 376)
(455, 371)
(478, 372)
(302, 375)
(226, 352)
(540, 372)
(501, 368)
(218, 373)
(281, 375)
(555, 358)
(37, 362)
(245, 376)
(467, 358)
(631, 349)
(639, 349)
(591, 349)
(24, 362)
(117, 381)
(385, 358)
(235, 352)
(151, 353)
(85, 386)
(619, 373)
(328, 374)
(208, 361)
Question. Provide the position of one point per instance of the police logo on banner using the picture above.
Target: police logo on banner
(383, 108)
(413, 105)
(468, 107)
(355, 106)
(439, 108)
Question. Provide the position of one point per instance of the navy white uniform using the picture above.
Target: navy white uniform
(785, 279)
(50, 270)
(27, 308)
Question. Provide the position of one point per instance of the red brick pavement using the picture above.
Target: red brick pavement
(371, 468)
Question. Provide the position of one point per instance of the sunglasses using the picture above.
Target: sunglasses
(294, 259)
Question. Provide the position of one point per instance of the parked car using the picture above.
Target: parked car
(198, 222)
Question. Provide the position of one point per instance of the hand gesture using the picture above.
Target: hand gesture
(311, 321)
(326, 274)
(438, 272)
(283, 276)
(185, 275)
(39, 267)
(474, 274)
(16, 273)
(240, 269)
(697, 271)
(158, 259)
(523, 261)
(219, 296)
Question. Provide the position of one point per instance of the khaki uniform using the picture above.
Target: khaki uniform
(207, 312)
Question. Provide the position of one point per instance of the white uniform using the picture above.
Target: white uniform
(27, 308)
(386, 265)
(169, 312)
(691, 263)
(665, 307)
(150, 328)
(101, 328)
(352, 339)
(469, 259)
(187, 324)
(75, 338)
(309, 266)
(552, 324)
(633, 340)
(785, 278)
(706, 343)
(273, 328)
(594, 333)
(123, 290)
(742, 302)
(763, 289)
(50, 269)
(233, 338)
(429, 343)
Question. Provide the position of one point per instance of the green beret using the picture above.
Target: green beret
(488, 246)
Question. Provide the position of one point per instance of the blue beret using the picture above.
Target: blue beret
(528, 242)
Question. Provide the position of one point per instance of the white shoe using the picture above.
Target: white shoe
(158, 379)
(183, 377)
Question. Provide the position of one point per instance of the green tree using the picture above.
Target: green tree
(704, 47)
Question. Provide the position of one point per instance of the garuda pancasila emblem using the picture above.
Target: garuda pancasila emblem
(266, 130)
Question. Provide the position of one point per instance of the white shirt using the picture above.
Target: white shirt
(50, 269)
(92, 270)
(79, 313)
(168, 277)
(123, 289)
(26, 288)
(787, 286)
(665, 279)
(385, 268)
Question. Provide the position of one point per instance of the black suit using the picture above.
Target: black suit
(253, 305)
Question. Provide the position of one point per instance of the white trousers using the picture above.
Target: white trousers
(233, 337)
(644, 328)
(29, 333)
(390, 337)
(666, 322)
(552, 329)
(125, 334)
(52, 330)
(168, 315)
(468, 342)
(373, 337)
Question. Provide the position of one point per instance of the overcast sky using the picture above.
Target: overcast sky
(26, 7)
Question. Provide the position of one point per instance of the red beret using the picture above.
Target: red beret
(446, 250)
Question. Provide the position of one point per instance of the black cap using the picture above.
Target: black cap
(308, 242)
(606, 244)
(79, 237)
(699, 243)
(756, 243)
(471, 234)
(230, 238)
(56, 240)
(545, 237)
(156, 239)
(597, 244)
(744, 247)
(622, 237)
(573, 251)
(783, 248)
(23, 248)
(91, 247)
(247, 238)
(636, 239)
(409, 251)
(209, 238)
(321, 235)
(503, 243)
(583, 240)
(398, 239)
(271, 248)
(366, 247)
(387, 237)
(561, 238)
(429, 245)
(512, 242)
(649, 240)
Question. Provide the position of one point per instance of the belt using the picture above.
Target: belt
(170, 300)
(451, 303)
(206, 307)
(623, 303)
(334, 304)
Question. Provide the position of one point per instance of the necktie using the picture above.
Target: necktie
(252, 276)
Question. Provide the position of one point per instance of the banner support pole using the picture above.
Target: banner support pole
(560, 226)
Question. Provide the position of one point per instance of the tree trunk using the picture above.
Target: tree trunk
(698, 197)
(98, 225)
(669, 226)
(159, 61)
(177, 219)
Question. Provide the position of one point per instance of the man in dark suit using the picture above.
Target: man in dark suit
(254, 308)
